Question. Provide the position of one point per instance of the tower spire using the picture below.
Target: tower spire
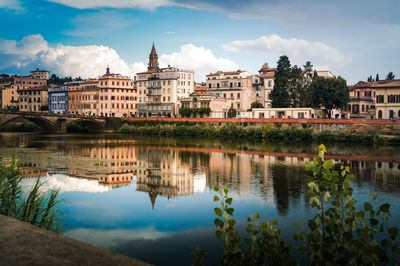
(153, 60)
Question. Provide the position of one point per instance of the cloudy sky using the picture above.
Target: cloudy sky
(352, 38)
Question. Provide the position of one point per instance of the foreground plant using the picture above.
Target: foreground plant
(36, 207)
(338, 234)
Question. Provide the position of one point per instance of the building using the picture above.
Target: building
(267, 81)
(362, 100)
(34, 99)
(325, 74)
(81, 95)
(117, 96)
(387, 99)
(58, 99)
(200, 88)
(160, 89)
(40, 74)
(235, 86)
(283, 113)
(112, 95)
(9, 89)
(217, 107)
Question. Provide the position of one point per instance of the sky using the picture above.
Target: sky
(351, 38)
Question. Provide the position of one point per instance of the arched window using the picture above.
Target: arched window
(380, 114)
(391, 114)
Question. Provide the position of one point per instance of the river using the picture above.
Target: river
(152, 198)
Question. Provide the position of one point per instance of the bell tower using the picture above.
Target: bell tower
(153, 60)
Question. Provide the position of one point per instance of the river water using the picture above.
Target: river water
(152, 198)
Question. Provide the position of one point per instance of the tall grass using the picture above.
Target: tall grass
(36, 207)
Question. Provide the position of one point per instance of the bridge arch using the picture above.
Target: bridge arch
(92, 125)
(42, 122)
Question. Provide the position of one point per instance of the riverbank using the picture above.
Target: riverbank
(267, 132)
(25, 244)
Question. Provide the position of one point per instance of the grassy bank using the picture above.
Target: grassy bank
(21, 127)
(232, 131)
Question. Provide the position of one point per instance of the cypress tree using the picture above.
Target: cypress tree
(280, 93)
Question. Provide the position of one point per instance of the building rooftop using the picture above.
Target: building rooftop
(39, 88)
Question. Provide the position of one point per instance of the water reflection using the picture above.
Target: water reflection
(127, 193)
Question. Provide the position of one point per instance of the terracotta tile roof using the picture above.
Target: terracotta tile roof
(387, 84)
(39, 88)
(146, 72)
(226, 73)
(267, 69)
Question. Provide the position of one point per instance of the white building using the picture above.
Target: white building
(160, 89)
(40, 74)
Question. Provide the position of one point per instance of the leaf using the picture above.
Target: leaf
(226, 189)
(373, 221)
(218, 233)
(327, 196)
(218, 212)
(216, 198)
(328, 164)
(368, 206)
(322, 147)
(275, 222)
(384, 207)
(230, 211)
(216, 189)
(228, 201)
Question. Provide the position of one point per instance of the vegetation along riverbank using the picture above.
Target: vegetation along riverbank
(259, 132)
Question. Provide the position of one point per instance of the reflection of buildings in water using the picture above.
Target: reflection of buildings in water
(116, 179)
(277, 177)
(385, 175)
(27, 172)
(163, 173)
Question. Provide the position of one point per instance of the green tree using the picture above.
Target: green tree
(256, 104)
(390, 76)
(4, 75)
(231, 112)
(185, 112)
(280, 93)
(377, 77)
(331, 93)
(296, 86)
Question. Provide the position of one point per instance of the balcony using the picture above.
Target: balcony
(360, 98)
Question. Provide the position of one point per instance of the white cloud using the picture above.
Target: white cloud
(90, 61)
(299, 51)
(143, 4)
(201, 60)
(66, 184)
(113, 238)
(86, 61)
(10, 4)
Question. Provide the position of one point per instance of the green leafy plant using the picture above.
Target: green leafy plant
(36, 207)
(338, 234)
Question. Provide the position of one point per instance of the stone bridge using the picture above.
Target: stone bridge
(57, 123)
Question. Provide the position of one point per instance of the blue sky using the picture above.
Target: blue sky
(353, 39)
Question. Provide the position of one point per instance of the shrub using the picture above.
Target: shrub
(340, 233)
(37, 208)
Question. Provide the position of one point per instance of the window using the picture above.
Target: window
(238, 95)
(261, 115)
(380, 114)
(239, 84)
